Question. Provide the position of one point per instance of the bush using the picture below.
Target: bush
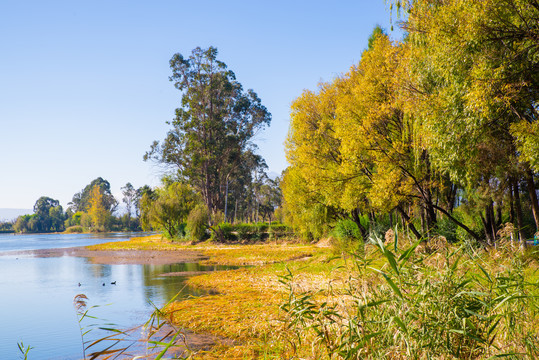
(226, 230)
(447, 229)
(278, 231)
(347, 229)
(254, 232)
(197, 222)
(243, 231)
(76, 229)
(347, 237)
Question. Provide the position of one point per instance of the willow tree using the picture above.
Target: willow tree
(213, 127)
(167, 208)
(313, 188)
(357, 145)
(474, 65)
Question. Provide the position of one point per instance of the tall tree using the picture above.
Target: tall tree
(97, 211)
(49, 215)
(129, 199)
(81, 200)
(213, 127)
(475, 69)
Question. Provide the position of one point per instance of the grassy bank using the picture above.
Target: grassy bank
(302, 301)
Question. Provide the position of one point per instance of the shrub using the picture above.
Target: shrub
(278, 231)
(347, 229)
(197, 222)
(243, 231)
(347, 237)
(226, 230)
(76, 229)
(447, 229)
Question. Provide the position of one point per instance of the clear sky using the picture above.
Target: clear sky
(84, 86)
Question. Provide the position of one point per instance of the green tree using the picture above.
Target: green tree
(213, 127)
(167, 208)
(48, 215)
(129, 199)
(81, 200)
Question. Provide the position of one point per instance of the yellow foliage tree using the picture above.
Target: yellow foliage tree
(97, 211)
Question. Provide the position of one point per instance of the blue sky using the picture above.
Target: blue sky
(84, 85)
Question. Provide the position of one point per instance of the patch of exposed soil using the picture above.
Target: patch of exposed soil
(152, 257)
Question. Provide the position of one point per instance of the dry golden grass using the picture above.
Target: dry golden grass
(218, 254)
(244, 305)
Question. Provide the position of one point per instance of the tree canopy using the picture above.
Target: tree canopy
(213, 128)
(81, 200)
(437, 128)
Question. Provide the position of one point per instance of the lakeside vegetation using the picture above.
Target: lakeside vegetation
(383, 300)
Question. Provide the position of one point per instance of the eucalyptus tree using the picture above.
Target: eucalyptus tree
(129, 199)
(213, 126)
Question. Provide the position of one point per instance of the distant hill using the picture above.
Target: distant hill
(12, 214)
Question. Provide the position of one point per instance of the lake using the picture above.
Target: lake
(36, 294)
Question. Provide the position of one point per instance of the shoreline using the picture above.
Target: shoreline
(117, 257)
(192, 341)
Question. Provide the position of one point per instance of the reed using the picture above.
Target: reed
(448, 304)
(160, 336)
(24, 350)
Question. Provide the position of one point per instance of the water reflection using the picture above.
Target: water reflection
(37, 293)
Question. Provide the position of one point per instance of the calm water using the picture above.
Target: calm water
(36, 294)
(11, 242)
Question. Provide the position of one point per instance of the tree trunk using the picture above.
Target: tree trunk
(430, 213)
(423, 222)
(355, 217)
(488, 224)
(451, 198)
(511, 204)
(235, 210)
(533, 197)
(408, 222)
(518, 211)
(499, 217)
(226, 200)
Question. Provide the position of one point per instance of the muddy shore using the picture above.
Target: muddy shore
(143, 257)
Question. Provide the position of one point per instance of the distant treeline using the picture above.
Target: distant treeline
(92, 209)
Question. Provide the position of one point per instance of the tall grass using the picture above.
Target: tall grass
(407, 304)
